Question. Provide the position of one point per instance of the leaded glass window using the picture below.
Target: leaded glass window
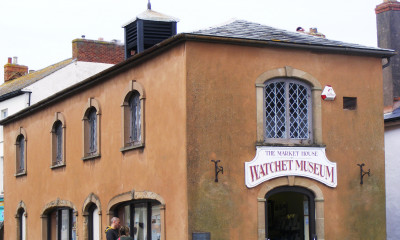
(287, 111)
(135, 122)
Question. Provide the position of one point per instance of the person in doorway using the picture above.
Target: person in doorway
(124, 233)
(112, 232)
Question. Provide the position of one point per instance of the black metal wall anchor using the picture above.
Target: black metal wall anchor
(362, 172)
(217, 169)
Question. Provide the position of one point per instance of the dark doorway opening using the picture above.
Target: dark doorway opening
(290, 214)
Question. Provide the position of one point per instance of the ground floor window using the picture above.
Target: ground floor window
(290, 214)
(21, 224)
(61, 224)
(142, 217)
(93, 223)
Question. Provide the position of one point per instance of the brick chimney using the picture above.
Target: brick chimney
(387, 19)
(98, 51)
(12, 70)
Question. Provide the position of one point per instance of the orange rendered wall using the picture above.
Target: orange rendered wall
(159, 167)
(201, 106)
(221, 110)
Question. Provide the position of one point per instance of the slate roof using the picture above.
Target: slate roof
(15, 86)
(253, 31)
(393, 116)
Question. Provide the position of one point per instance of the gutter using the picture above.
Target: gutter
(175, 40)
(11, 95)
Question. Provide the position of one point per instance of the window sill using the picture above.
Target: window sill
(90, 157)
(131, 147)
(20, 174)
(289, 144)
(60, 165)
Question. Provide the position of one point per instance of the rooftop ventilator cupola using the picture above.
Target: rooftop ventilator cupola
(146, 30)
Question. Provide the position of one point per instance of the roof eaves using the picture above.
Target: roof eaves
(382, 53)
(172, 41)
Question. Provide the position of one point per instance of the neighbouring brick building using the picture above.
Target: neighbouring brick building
(141, 141)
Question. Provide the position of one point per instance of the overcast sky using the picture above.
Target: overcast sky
(40, 32)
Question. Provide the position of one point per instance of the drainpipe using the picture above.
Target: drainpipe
(386, 64)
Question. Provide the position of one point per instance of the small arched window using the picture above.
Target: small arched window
(287, 106)
(20, 152)
(133, 117)
(135, 121)
(92, 120)
(91, 130)
(58, 143)
(21, 224)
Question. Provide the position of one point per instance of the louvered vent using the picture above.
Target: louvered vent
(142, 34)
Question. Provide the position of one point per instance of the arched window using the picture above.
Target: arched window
(92, 120)
(21, 224)
(58, 141)
(59, 220)
(92, 227)
(287, 111)
(143, 217)
(288, 107)
(93, 223)
(142, 212)
(133, 117)
(62, 224)
(20, 152)
(91, 130)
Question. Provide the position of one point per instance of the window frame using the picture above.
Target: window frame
(91, 203)
(316, 90)
(138, 196)
(134, 89)
(58, 215)
(21, 217)
(50, 208)
(288, 139)
(59, 121)
(92, 106)
(18, 159)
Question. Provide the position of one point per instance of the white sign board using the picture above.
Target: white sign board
(274, 162)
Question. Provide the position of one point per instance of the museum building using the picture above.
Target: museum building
(240, 131)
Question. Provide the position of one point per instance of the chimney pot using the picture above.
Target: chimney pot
(9, 60)
(13, 70)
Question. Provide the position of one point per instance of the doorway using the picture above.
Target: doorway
(290, 214)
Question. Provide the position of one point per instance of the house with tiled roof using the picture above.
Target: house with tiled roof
(222, 133)
(23, 88)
